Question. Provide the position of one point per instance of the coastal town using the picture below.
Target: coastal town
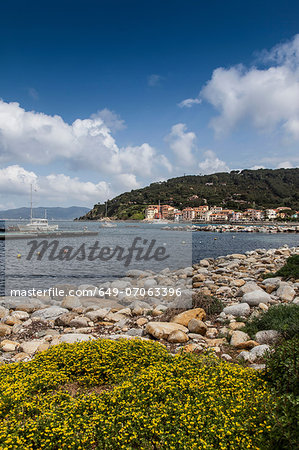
(205, 213)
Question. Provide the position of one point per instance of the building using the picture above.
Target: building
(271, 214)
(188, 213)
(151, 212)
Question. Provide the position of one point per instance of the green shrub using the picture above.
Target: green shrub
(211, 305)
(131, 395)
(282, 318)
(289, 270)
(282, 372)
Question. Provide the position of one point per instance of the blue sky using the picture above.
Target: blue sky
(100, 97)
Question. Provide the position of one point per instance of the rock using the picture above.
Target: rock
(98, 314)
(246, 356)
(30, 347)
(9, 346)
(226, 357)
(254, 298)
(79, 322)
(177, 336)
(193, 348)
(141, 321)
(197, 326)
(272, 281)
(3, 312)
(250, 286)
(135, 332)
(259, 351)
(211, 333)
(21, 303)
(21, 356)
(71, 338)
(161, 330)
(99, 303)
(150, 283)
(5, 330)
(258, 366)
(263, 307)
(285, 292)
(125, 311)
(247, 345)
(157, 312)
(50, 313)
(238, 283)
(237, 256)
(71, 302)
(10, 320)
(237, 309)
(21, 315)
(204, 263)
(267, 337)
(137, 311)
(185, 317)
(238, 337)
(199, 278)
(236, 325)
(65, 319)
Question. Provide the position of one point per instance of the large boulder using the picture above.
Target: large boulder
(50, 313)
(161, 330)
(185, 317)
(250, 286)
(259, 351)
(286, 292)
(267, 337)
(237, 309)
(238, 337)
(254, 298)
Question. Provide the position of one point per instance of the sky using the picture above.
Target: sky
(101, 97)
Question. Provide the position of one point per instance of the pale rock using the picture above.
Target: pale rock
(285, 292)
(238, 283)
(226, 357)
(161, 330)
(197, 326)
(125, 311)
(21, 356)
(263, 307)
(5, 330)
(3, 312)
(249, 286)
(177, 336)
(79, 322)
(238, 337)
(135, 332)
(141, 321)
(204, 263)
(254, 298)
(71, 302)
(246, 356)
(150, 283)
(71, 338)
(212, 333)
(21, 315)
(98, 314)
(260, 351)
(10, 320)
(267, 337)
(50, 313)
(157, 312)
(31, 347)
(237, 309)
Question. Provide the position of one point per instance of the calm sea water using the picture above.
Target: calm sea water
(183, 248)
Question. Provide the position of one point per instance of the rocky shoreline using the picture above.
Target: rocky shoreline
(31, 325)
(229, 228)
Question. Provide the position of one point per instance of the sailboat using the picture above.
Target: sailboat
(107, 223)
(37, 224)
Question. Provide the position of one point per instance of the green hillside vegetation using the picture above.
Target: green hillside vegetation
(262, 188)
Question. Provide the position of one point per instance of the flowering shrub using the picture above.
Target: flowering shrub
(132, 395)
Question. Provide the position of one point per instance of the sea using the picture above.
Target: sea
(24, 266)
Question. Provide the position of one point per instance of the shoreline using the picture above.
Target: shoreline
(31, 325)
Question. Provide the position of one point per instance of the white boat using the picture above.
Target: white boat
(37, 224)
(108, 225)
(159, 222)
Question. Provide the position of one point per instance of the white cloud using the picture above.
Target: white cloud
(58, 189)
(110, 119)
(256, 167)
(285, 165)
(154, 80)
(189, 102)
(182, 143)
(268, 98)
(37, 138)
(212, 164)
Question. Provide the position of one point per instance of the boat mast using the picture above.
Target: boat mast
(30, 202)
(106, 208)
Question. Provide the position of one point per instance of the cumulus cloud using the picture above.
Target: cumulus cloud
(212, 164)
(268, 98)
(182, 143)
(37, 138)
(111, 119)
(189, 102)
(58, 189)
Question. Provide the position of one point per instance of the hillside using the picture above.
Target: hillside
(262, 188)
(52, 213)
